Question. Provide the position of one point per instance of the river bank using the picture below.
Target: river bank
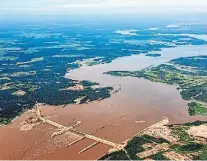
(139, 104)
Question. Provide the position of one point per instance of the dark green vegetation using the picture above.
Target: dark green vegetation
(133, 147)
(181, 132)
(197, 108)
(158, 156)
(195, 123)
(189, 74)
(192, 148)
(189, 147)
(34, 59)
(189, 144)
(203, 154)
(153, 55)
(52, 93)
(153, 139)
(186, 145)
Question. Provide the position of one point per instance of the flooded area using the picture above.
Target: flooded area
(132, 63)
(141, 96)
(139, 104)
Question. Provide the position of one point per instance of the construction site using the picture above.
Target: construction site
(163, 141)
(158, 141)
(31, 122)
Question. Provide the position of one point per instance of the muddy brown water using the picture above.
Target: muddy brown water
(138, 100)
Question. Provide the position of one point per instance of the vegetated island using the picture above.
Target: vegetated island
(162, 141)
(189, 74)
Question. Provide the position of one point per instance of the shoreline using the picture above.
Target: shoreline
(67, 74)
(138, 99)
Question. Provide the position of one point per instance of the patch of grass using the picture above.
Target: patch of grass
(203, 154)
(181, 132)
(197, 108)
(5, 121)
(157, 140)
(187, 148)
(158, 156)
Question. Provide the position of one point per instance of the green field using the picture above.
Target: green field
(197, 108)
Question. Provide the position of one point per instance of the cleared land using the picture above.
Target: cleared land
(181, 142)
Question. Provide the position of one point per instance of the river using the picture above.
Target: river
(139, 104)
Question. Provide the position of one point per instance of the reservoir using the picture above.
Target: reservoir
(139, 104)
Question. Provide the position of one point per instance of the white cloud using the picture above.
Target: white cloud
(77, 6)
(173, 26)
(153, 29)
(127, 32)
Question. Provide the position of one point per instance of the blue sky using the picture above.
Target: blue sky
(99, 6)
